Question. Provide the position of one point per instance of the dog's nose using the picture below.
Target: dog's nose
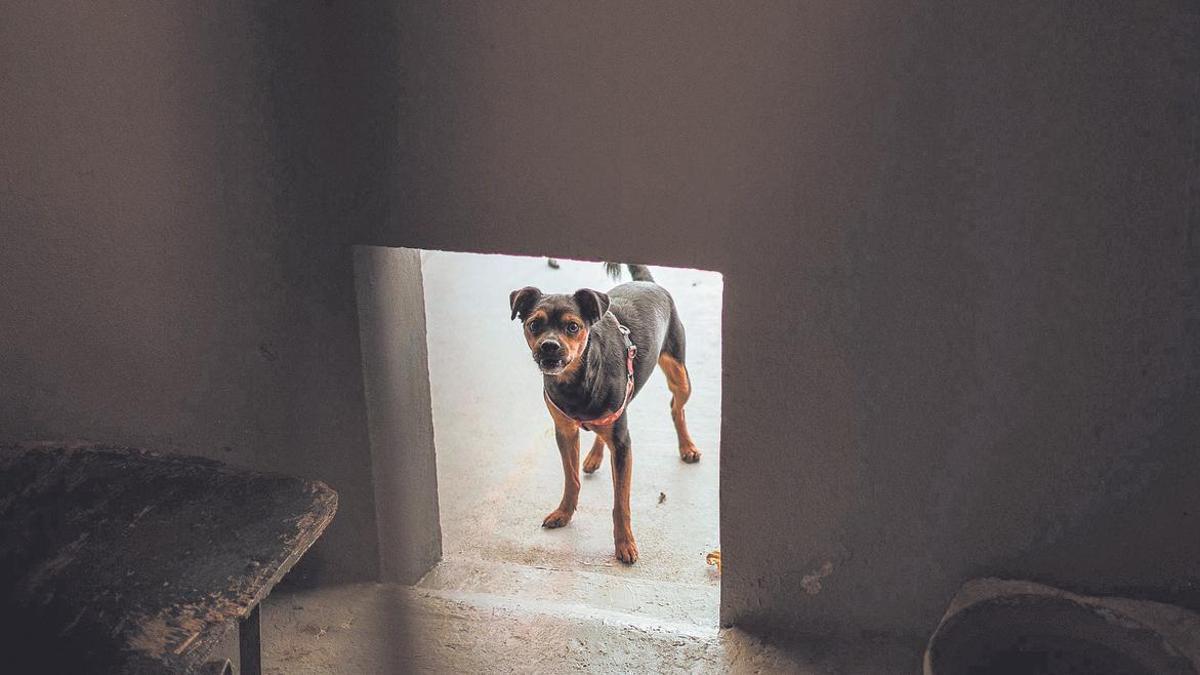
(550, 347)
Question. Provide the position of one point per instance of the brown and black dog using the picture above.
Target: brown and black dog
(595, 351)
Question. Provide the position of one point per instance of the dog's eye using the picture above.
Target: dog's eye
(535, 326)
(572, 328)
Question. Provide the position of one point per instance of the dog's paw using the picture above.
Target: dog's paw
(689, 454)
(557, 519)
(626, 550)
(592, 462)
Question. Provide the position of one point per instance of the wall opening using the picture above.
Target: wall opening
(498, 470)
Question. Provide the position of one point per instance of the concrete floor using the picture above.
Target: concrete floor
(510, 596)
(385, 629)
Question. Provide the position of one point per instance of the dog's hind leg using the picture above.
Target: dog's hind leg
(595, 456)
(681, 389)
(671, 362)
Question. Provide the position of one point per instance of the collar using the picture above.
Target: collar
(630, 353)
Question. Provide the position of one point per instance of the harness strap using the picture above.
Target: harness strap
(630, 353)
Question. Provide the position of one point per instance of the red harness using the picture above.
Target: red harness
(630, 353)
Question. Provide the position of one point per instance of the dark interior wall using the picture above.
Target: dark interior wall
(959, 260)
(1027, 320)
(173, 182)
(958, 245)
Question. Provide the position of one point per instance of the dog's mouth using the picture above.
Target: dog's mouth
(551, 365)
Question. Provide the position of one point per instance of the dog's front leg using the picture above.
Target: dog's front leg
(566, 433)
(617, 438)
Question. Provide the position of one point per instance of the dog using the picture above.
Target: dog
(595, 351)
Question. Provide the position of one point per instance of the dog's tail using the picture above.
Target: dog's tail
(638, 272)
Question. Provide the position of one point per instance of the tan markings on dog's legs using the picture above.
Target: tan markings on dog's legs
(595, 456)
(566, 434)
(681, 389)
(622, 474)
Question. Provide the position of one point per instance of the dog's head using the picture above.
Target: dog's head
(557, 325)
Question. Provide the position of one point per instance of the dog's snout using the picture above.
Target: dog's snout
(550, 347)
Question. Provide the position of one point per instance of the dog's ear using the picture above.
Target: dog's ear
(592, 304)
(522, 300)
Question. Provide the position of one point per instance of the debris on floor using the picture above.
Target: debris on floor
(662, 497)
(714, 558)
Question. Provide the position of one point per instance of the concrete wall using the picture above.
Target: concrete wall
(173, 185)
(391, 310)
(958, 244)
(959, 252)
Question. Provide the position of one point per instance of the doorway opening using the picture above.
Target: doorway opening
(498, 470)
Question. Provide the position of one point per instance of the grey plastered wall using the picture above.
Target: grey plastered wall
(959, 251)
(174, 184)
(391, 310)
(958, 242)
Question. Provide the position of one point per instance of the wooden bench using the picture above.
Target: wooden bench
(115, 560)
